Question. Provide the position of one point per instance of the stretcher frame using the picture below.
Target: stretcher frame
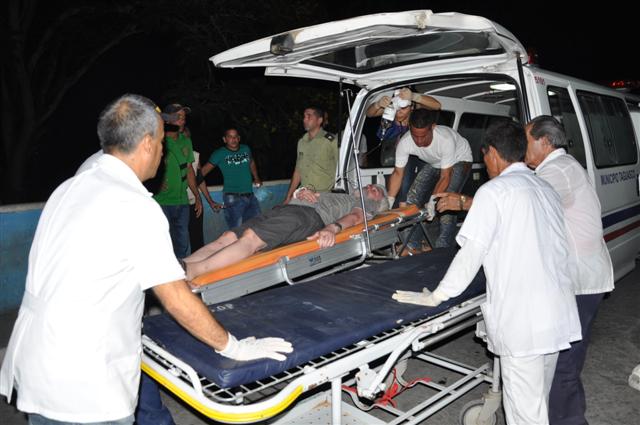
(304, 261)
(350, 365)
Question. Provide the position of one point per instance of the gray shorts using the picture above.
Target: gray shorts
(282, 225)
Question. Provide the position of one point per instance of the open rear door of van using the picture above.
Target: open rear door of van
(380, 49)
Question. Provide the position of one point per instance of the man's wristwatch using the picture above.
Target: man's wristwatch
(463, 199)
(339, 226)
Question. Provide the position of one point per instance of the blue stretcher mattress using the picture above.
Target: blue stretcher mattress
(317, 317)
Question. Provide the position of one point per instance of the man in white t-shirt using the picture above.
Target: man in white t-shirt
(516, 231)
(74, 353)
(448, 164)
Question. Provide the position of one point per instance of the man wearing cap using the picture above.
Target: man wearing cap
(238, 167)
(317, 156)
(178, 175)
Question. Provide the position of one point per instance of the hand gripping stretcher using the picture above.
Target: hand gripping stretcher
(346, 330)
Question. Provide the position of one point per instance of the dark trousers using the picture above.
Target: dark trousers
(178, 218)
(151, 410)
(196, 237)
(567, 403)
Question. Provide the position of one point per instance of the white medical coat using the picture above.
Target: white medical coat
(447, 149)
(583, 215)
(75, 348)
(517, 219)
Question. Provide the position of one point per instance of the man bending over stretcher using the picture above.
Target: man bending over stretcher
(310, 215)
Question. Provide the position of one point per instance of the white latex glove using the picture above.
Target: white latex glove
(431, 208)
(251, 348)
(383, 102)
(426, 297)
(391, 200)
(407, 94)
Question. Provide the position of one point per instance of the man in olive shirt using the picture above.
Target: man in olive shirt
(317, 156)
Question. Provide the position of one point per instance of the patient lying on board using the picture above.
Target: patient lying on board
(310, 215)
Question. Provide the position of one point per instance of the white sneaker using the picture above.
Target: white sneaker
(634, 378)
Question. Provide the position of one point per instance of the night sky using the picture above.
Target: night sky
(598, 46)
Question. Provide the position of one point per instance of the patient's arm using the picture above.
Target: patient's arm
(305, 194)
(326, 237)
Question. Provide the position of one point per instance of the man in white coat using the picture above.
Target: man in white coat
(546, 143)
(74, 353)
(516, 231)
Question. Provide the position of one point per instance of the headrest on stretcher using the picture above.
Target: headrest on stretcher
(317, 317)
(268, 258)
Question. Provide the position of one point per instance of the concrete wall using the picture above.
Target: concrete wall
(18, 225)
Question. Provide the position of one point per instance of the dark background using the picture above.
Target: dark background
(165, 57)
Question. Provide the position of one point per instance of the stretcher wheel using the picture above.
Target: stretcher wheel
(471, 410)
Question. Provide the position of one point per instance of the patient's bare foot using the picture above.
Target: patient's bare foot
(186, 266)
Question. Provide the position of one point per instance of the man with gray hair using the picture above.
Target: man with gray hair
(593, 276)
(311, 215)
(74, 353)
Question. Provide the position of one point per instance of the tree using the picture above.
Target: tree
(47, 51)
(267, 111)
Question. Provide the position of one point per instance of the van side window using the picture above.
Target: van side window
(562, 109)
(610, 129)
(446, 118)
(472, 127)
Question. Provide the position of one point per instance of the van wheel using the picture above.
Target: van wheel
(471, 410)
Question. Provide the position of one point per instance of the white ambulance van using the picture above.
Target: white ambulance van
(478, 70)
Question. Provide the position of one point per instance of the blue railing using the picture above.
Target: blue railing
(18, 225)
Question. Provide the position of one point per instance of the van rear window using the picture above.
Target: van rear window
(391, 52)
(563, 110)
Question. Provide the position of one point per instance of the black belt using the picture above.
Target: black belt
(246, 195)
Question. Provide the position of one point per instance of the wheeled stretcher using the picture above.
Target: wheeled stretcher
(304, 260)
(345, 329)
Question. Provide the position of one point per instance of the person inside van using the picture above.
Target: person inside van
(389, 137)
(447, 156)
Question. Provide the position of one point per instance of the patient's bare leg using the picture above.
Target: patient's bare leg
(226, 239)
(244, 247)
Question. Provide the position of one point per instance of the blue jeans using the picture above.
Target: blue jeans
(411, 170)
(151, 410)
(239, 208)
(178, 217)
(42, 420)
(422, 189)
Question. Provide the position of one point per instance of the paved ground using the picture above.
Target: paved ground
(614, 352)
